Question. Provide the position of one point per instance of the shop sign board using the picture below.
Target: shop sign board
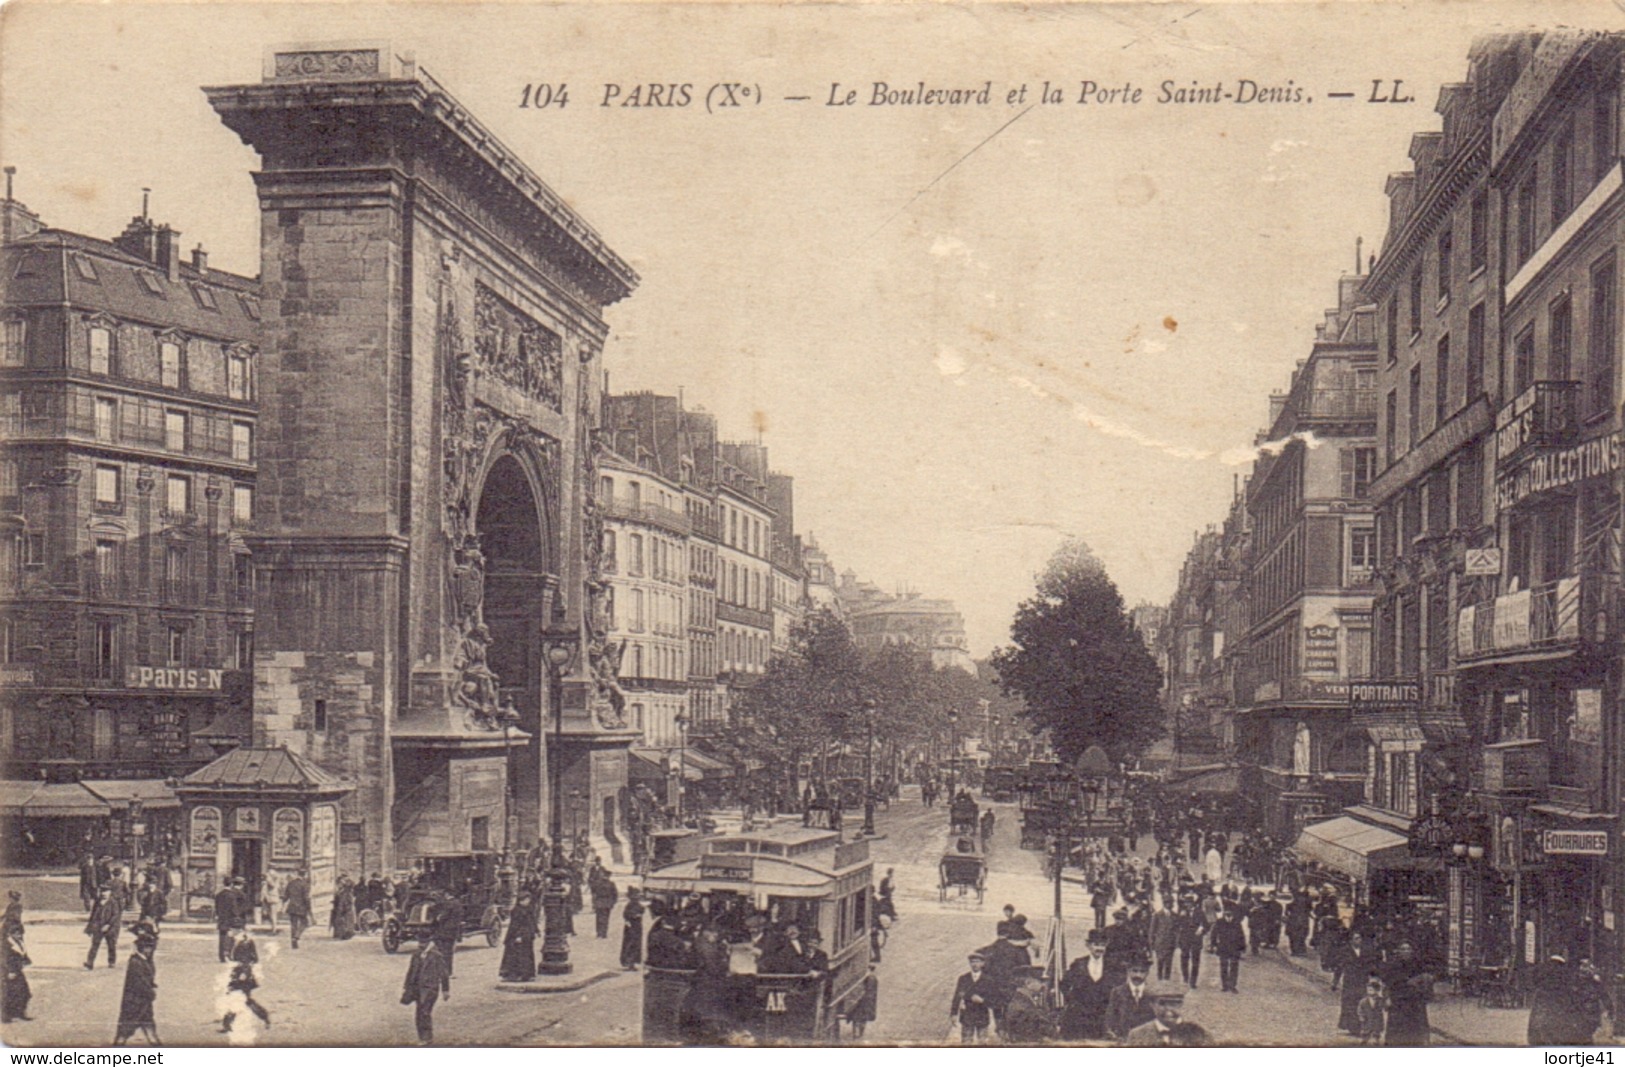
(1385, 695)
(205, 830)
(1559, 468)
(1482, 562)
(174, 678)
(1575, 843)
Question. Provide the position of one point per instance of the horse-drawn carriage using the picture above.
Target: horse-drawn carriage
(962, 867)
(963, 814)
(471, 882)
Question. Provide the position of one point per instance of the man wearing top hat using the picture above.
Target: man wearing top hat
(1228, 943)
(1087, 988)
(1129, 1005)
(1167, 1004)
(972, 1003)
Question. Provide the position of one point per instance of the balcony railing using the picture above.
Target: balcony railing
(1340, 404)
(1545, 415)
(621, 507)
(107, 586)
(1543, 616)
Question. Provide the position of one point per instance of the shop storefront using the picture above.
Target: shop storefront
(256, 811)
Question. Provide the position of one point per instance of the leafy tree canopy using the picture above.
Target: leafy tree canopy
(1078, 662)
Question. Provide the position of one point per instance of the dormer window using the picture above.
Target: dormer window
(149, 282)
(251, 306)
(84, 268)
(205, 298)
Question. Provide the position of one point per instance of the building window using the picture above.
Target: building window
(175, 431)
(171, 371)
(1604, 123)
(634, 494)
(1478, 233)
(1359, 467)
(1560, 341)
(239, 376)
(1562, 175)
(1414, 403)
(1526, 220)
(242, 651)
(8, 476)
(83, 267)
(1523, 360)
(1446, 245)
(1362, 548)
(606, 558)
(107, 559)
(205, 298)
(175, 564)
(1441, 382)
(1475, 352)
(479, 833)
(109, 486)
(33, 550)
(634, 566)
(242, 503)
(1602, 342)
(320, 714)
(13, 342)
(242, 571)
(609, 607)
(637, 611)
(1416, 300)
(250, 305)
(106, 418)
(242, 442)
(106, 649)
(177, 646)
(1393, 329)
(149, 282)
(178, 495)
(101, 350)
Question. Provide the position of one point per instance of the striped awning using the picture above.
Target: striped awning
(1351, 846)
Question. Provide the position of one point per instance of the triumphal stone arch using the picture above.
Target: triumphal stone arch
(430, 388)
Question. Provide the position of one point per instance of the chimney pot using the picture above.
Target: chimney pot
(200, 260)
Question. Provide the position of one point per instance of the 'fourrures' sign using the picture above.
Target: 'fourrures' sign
(1575, 842)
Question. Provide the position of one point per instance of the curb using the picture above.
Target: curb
(569, 986)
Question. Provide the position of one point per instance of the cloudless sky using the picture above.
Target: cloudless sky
(968, 332)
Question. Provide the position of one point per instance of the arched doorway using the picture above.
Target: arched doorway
(513, 533)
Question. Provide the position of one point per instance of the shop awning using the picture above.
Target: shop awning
(153, 794)
(14, 794)
(656, 759)
(1572, 814)
(708, 766)
(65, 800)
(1351, 846)
(1218, 781)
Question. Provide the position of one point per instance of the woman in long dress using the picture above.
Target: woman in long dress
(1356, 965)
(519, 946)
(343, 921)
(632, 931)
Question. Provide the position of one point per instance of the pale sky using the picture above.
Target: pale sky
(963, 348)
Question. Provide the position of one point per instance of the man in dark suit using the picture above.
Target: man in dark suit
(296, 905)
(1005, 958)
(90, 881)
(1087, 987)
(972, 1001)
(1190, 932)
(1228, 943)
(448, 930)
(229, 908)
(1129, 1005)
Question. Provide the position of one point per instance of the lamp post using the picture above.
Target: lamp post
(682, 762)
(508, 716)
(560, 652)
(953, 754)
(869, 769)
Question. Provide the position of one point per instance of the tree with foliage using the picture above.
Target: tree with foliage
(1079, 663)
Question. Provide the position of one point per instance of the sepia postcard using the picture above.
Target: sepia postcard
(662, 523)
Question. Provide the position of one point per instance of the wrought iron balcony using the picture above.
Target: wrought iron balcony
(1548, 615)
(1545, 415)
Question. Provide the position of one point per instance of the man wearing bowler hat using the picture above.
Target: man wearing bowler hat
(1087, 988)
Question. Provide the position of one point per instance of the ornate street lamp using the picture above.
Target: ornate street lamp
(953, 753)
(507, 716)
(560, 652)
(869, 769)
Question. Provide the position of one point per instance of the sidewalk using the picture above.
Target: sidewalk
(1451, 1014)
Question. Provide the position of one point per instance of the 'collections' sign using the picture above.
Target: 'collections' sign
(1575, 843)
(173, 678)
(1560, 467)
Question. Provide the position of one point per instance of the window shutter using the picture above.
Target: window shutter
(1346, 466)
